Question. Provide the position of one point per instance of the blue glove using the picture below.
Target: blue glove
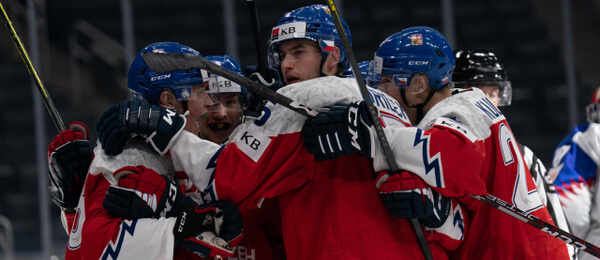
(210, 229)
(142, 193)
(69, 157)
(405, 195)
(120, 122)
(344, 129)
(272, 81)
(442, 207)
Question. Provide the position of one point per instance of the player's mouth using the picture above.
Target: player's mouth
(219, 126)
(291, 79)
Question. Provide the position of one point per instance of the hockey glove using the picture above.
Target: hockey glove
(142, 193)
(405, 195)
(159, 125)
(441, 210)
(344, 129)
(69, 157)
(208, 230)
(272, 81)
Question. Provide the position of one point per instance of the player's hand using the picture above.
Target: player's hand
(120, 122)
(69, 157)
(344, 129)
(405, 195)
(272, 80)
(142, 193)
(209, 230)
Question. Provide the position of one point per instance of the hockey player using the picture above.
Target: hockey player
(183, 223)
(575, 173)
(333, 200)
(462, 145)
(481, 69)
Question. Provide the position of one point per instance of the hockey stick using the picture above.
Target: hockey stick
(47, 99)
(540, 224)
(375, 118)
(262, 65)
(165, 62)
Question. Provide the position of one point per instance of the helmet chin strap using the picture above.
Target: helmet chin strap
(323, 59)
(419, 107)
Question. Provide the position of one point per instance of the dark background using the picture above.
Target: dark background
(85, 73)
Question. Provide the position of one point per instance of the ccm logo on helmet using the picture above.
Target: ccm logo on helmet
(155, 78)
(418, 62)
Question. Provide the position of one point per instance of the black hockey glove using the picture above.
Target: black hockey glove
(120, 122)
(208, 230)
(344, 129)
(69, 157)
(273, 81)
(142, 193)
(405, 195)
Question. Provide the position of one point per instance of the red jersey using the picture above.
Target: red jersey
(464, 146)
(329, 210)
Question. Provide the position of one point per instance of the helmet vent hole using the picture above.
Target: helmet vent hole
(441, 65)
(439, 53)
(142, 71)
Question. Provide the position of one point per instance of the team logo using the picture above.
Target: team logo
(185, 94)
(416, 39)
(288, 31)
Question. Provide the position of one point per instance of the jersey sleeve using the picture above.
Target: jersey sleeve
(437, 155)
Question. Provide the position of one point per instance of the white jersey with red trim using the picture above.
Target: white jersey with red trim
(575, 174)
(464, 146)
(335, 201)
(98, 235)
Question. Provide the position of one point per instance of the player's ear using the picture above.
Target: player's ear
(418, 84)
(168, 100)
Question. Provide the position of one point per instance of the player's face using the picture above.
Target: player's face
(300, 60)
(492, 92)
(222, 119)
(199, 105)
(415, 93)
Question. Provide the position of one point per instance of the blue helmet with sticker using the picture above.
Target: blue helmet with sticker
(419, 49)
(147, 85)
(224, 85)
(313, 23)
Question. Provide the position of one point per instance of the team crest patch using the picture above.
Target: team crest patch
(416, 39)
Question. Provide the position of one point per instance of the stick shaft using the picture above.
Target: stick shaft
(165, 62)
(47, 99)
(262, 64)
(391, 160)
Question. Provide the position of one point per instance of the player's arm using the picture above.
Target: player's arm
(431, 154)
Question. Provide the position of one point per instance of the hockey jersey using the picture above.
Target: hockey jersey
(464, 146)
(96, 234)
(574, 171)
(329, 209)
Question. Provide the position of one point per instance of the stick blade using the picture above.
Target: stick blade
(167, 62)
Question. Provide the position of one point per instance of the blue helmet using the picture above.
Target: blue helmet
(414, 50)
(313, 23)
(224, 85)
(147, 85)
(366, 70)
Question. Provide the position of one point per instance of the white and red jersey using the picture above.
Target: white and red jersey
(329, 209)
(465, 146)
(96, 234)
(575, 169)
